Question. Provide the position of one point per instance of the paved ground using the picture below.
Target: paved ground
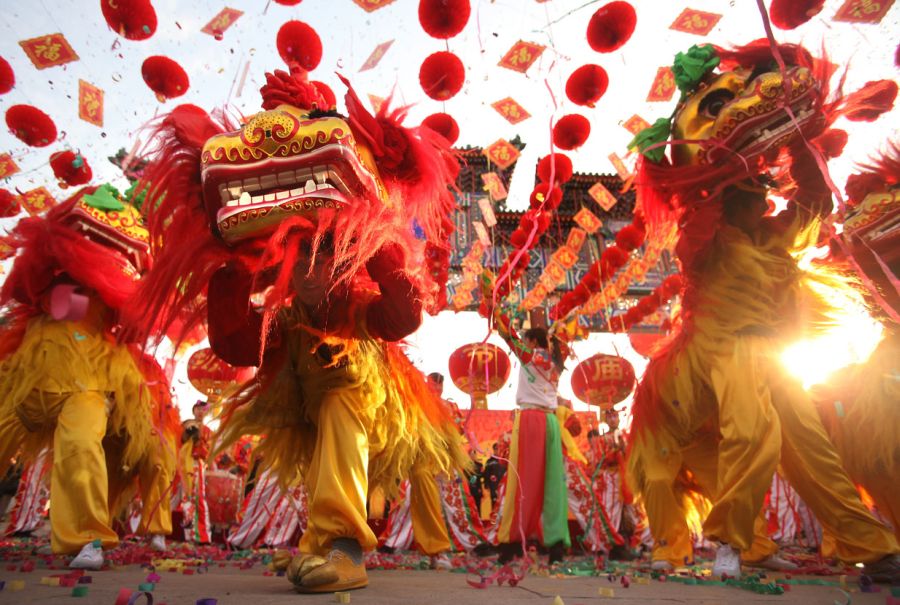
(232, 585)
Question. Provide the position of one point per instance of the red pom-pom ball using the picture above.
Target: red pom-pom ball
(299, 44)
(326, 92)
(611, 26)
(7, 77)
(629, 238)
(586, 85)
(539, 196)
(571, 131)
(9, 204)
(70, 168)
(31, 125)
(442, 75)
(288, 2)
(131, 19)
(561, 164)
(165, 77)
(444, 125)
(443, 19)
(788, 14)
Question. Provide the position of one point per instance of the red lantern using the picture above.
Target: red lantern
(131, 19)
(288, 2)
(603, 380)
(165, 77)
(298, 43)
(478, 369)
(586, 85)
(561, 165)
(211, 376)
(611, 26)
(571, 131)
(31, 125)
(71, 168)
(7, 77)
(9, 204)
(644, 342)
(443, 19)
(442, 75)
(444, 125)
(788, 14)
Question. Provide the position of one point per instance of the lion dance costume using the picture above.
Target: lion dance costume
(65, 381)
(321, 239)
(715, 410)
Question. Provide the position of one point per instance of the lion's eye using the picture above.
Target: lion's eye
(713, 103)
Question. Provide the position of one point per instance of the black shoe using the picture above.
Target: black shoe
(485, 550)
(620, 553)
(557, 552)
(508, 552)
(886, 570)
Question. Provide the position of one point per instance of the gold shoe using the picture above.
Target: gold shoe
(281, 560)
(311, 573)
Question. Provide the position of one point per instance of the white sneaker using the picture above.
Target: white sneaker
(90, 557)
(158, 543)
(662, 565)
(441, 561)
(728, 562)
(775, 563)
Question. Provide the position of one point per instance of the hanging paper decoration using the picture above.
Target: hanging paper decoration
(479, 369)
(600, 194)
(71, 168)
(37, 200)
(521, 56)
(692, 21)
(571, 131)
(554, 274)
(7, 77)
(221, 22)
(8, 166)
(31, 125)
(644, 343)
(471, 270)
(663, 87)
(788, 14)
(131, 19)
(502, 153)
(587, 220)
(647, 305)
(376, 102)
(559, 164)
(442, 75)
(90, 103)
(9, 204)
(481, 233)
(620, 167)
(376, 55)
(635, 124)
(510, 110)
(443, 19)
(444, 125)
(493, 184)
(611, 26)
(371, 5)
(863, 11)
(586, 85)
(48, 51)
(211, 376)
(487, 211)
(603, 380)
(164, 77)
(299, 44)
(288, 2)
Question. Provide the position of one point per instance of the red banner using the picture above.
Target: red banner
(510, 110)
(222, 21)
(692, 21)
(521, 56)
(48, 51)
(90, 103)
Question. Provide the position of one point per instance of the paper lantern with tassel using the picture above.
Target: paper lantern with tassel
(571, 131)
(479, 369)
(31, 125)
(443, 19)
(442, 75)
(131, 19)
(603, 380)
(164, 77)
(586, 85)
(561, 167)
(611, 26)
(211, 376)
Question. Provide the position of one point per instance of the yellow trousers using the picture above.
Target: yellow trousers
(155, 474)
(426, 513)
(79, 502)
(337, 478)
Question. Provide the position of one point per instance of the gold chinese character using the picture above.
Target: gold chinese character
(48, 50)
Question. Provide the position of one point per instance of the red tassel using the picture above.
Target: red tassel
(611, 26)
(282, 88)
(299, 43)
(869, 102)
(788, 14)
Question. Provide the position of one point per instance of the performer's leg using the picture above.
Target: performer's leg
(78, 482)
(509, 505)
(555, 514)
(156, 476)
(429, 529)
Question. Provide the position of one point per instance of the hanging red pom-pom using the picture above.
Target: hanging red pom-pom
(442, 75)
(870, 101)
(443, 19)
(165, 77)
(71, 168)
(612, 259)
(299, 43)
(288, 2)
(788, 14)
(131, 19)
(31, 125)
(9, 204)
(7, 77)
(518, 238)
(327, 94)
(540, 197)
(561, 165)
(571, 131)
(672, 285)
(611, 26)
(586, 85)
(444, 125)
(629, 238)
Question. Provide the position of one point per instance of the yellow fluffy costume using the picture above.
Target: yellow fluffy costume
(715, 400)
(311, 242)
(65, 382)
